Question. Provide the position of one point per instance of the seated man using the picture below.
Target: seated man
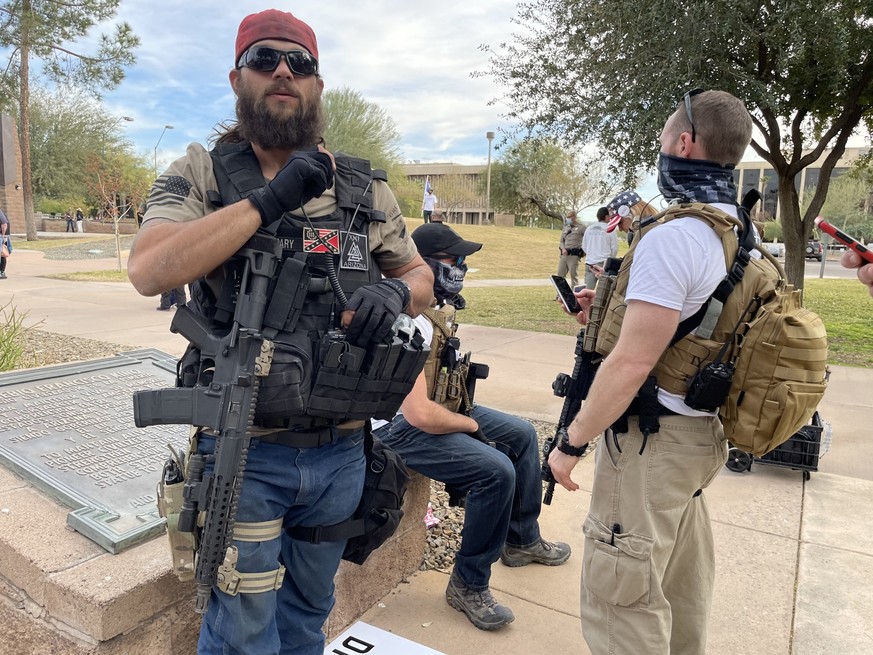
(501, 482)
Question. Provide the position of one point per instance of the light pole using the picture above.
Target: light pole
(490, 137)
(166, 127)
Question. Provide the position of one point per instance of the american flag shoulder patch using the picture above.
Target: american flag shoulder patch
(169, 190)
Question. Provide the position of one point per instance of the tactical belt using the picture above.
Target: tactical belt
(634, 409)
(307, 439)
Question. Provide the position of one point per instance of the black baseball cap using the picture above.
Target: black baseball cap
(432, 238)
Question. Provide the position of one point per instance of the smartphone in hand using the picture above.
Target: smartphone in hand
(565, 293)
(844, 238)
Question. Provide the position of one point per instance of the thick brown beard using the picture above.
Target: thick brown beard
(258, 125)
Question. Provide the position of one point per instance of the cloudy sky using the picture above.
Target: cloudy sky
(413, 62)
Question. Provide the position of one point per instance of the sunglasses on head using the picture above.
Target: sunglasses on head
(265, 59)
(687, 100)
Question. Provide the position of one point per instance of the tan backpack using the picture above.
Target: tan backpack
(768, 347)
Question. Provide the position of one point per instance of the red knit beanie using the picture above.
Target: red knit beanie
(274, 24)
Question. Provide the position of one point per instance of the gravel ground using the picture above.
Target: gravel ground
(45, 348)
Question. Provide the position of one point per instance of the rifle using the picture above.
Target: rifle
(574, 388)
(224, 400)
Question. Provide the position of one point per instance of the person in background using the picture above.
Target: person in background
(172, 298)
(570, 248)
(598, 245)
(80, 220)
(4, 240)
(71, 223)
(428, 205)
(627, 209)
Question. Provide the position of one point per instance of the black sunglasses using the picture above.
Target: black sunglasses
(687, 99)
(264, 59)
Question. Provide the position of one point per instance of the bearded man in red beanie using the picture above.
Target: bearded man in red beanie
(348, 268)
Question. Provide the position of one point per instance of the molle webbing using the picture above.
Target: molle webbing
(445, 384)
(682, 361)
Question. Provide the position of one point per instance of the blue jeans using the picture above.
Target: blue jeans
(503, 483)
(306, 486)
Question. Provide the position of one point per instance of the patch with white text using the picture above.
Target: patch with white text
(354, 255)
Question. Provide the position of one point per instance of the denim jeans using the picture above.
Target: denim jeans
(306, 486)
(503, 483)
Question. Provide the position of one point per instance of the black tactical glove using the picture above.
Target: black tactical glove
(306, 175)
(376, 307)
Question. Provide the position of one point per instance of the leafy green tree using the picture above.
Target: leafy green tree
(539, 181)
(848, 206)
(613, 70)
(67, 127)
(48, 30)
(361, 128)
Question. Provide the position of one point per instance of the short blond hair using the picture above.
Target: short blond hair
(722, 124)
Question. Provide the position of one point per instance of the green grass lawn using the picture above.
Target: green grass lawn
(522, 253)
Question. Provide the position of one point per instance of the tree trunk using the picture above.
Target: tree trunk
(24, 127)
(794, 230)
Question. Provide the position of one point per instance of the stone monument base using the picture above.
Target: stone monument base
(63, 594)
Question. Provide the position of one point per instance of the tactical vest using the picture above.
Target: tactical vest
(680, 362)
(445, 370)
(315, 373)
(760, 359)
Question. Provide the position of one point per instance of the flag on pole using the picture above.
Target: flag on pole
(426, 184)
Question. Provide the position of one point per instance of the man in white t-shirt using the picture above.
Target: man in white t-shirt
(599, 245)
(648, 569)
(428, 205)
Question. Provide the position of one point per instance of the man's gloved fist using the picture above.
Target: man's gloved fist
(376, 307)
(306, 175)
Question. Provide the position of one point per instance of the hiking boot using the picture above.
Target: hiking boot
(540, 552)
(480, 607)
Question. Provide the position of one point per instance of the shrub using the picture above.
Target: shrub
(11, 337)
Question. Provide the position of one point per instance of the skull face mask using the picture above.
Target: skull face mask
(448, 279)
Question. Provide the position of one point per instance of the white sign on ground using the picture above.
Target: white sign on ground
(364, 638)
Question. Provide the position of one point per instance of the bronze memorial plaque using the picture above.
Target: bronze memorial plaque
(69, 431)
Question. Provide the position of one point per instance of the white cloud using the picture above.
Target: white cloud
(413, 61)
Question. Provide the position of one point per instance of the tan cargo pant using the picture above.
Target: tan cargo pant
(648, 568)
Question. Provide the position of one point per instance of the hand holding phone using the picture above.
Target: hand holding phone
(842, 237)
(565, 294)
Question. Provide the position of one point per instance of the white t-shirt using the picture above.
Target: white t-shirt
(598, 244)
(426, 328)
(678, 265)
(430, 201)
